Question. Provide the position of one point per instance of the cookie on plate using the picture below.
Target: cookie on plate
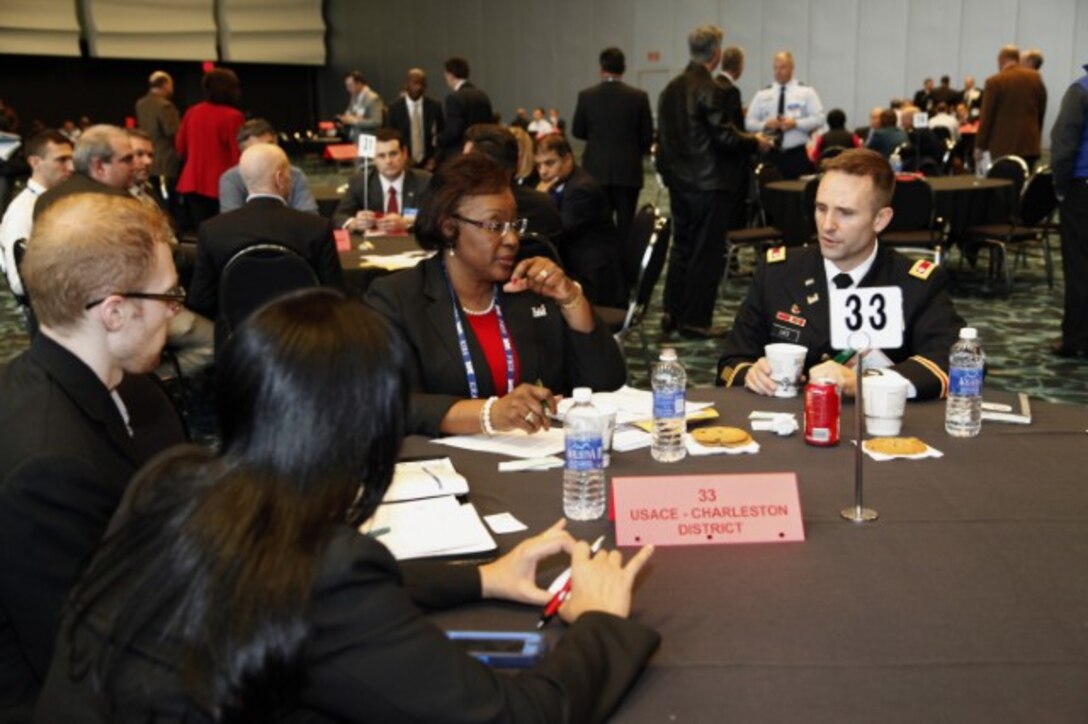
(721, 436)
(896, 445)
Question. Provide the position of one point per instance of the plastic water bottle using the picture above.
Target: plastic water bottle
(963, 416)
(583, 475)
(897, 162)
(668, 380)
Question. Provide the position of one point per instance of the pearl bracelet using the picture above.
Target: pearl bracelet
(485, 416)
(573, 299)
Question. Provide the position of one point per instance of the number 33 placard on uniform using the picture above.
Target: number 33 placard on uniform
(866, 318)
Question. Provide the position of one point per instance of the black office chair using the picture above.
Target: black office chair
(1015, 169)
(829, 152)
(255, 276)
(1033, 223)
(762, 234)
(914, 226)
(535, 244)
(655, 246)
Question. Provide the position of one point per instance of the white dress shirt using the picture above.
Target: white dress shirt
(802, 105)
(17, 223)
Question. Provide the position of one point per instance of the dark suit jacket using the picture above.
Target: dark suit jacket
(262, 220)
(1013, 107)
(590, 245)
(158, 117)
(371, 655)
(65, 460)
(734, 112)
(77, 183)
(615, 121)
(433, 123)
(415, 182)
(417, 302)
(800, 283)
(465, 107)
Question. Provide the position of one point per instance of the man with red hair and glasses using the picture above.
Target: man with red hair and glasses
(79, 412)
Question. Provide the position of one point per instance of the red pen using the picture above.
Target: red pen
(560, 595)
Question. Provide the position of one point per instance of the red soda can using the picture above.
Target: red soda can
(823, 411)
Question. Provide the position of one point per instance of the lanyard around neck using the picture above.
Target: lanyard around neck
(462, 340)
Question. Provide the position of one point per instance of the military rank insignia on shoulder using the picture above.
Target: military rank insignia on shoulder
(922, 269)
(777, 254)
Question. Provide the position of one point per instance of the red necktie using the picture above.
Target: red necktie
(391, 206)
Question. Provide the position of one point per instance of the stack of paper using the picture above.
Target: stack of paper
(429, 527)
(425, 479)
(420, 516)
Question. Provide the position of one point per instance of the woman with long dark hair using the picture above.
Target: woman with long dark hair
(234, 586)
(492, 337)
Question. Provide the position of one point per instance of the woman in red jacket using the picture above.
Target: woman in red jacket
(207, 141)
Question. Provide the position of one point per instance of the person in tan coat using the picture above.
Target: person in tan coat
(1013, 106)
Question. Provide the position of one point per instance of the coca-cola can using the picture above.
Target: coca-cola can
(823, 411)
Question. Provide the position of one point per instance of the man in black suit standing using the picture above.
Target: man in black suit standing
(418, 119)
(732, 68)
(265, 219)
(466, 106)
(588, 244)
(392, 190)
(615, 122)
(79, 412)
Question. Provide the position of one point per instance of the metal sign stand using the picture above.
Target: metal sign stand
(366, 181)
(859, 513)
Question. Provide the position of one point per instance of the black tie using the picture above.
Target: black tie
(781, 101)
(842, 280)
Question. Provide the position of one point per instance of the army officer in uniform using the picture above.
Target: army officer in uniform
(788, 300)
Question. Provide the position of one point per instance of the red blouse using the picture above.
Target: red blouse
(486, 329)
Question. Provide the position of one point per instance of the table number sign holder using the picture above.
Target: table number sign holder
(859, 513)
(864, 318)
(368, 145)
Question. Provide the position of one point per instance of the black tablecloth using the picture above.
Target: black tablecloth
(358, 274)
(327, 197)
(966, 601)
(962, 201)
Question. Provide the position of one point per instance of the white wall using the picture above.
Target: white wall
(856, 53)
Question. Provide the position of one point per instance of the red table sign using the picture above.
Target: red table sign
(342, 237)
(707, 509)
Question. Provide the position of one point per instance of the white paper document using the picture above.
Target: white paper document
(516, 443)
(503, 523)
(425, 479)
(429, 528)
(631, 405)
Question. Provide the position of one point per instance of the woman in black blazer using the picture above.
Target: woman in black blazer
(235, 585)
(492, 338)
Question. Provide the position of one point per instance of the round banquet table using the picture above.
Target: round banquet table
(358, 263)
(966, 601)
(962, 201)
